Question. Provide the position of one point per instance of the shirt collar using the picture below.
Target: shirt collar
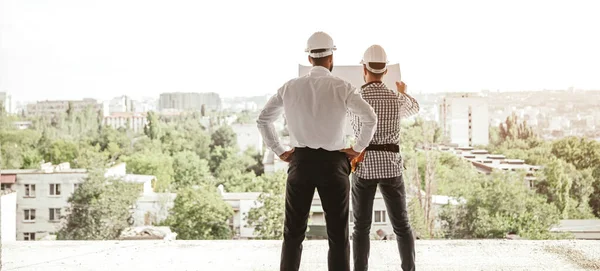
(373, 84)
(320, 70)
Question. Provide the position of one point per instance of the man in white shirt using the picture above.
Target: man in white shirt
(315, 107)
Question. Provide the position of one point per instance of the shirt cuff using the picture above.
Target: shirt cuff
(358, 148)
(279, 150)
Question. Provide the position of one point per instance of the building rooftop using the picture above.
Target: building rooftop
(578, 225)
(238, 255)
(136, 178)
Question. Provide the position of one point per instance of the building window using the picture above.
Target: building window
(531, 184)
(380, 217)
(29, 215)
(54, 189)
(29, 236)
(6, 186)
(76, 186)
(30, 190)
(54, 214)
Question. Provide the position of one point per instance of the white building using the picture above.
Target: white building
(42, 195)
(486, 163)
(6, 102)
(42, 108)
(133, 121)
(241, 203)
(152, 209)
(189, 101)
(22, 125)
(120, 105)
(125, 104)
(8, 216)
(248, 136)
(464, 119)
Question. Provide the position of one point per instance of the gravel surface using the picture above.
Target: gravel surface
(264, 255)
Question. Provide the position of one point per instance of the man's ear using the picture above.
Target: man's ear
(310, 60)
(364, 70)
(385, 72)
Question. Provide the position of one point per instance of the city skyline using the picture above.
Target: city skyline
(82, 49)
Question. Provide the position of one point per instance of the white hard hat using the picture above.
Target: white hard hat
(320, 40)
(375, 54)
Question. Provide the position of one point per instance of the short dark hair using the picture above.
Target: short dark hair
(319, 61)
(376, 66)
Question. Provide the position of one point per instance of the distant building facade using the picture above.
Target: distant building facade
(189, 101)
(464, 119)
(44, 108)
(248, 137)
(42, 195)
(486, 163)
(121, 104)
(125, 104)
(133, 121)
(6, 102)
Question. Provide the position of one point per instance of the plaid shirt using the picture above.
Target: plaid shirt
(390, 106)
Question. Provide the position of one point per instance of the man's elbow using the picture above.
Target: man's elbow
(371, 117)
(260, 123)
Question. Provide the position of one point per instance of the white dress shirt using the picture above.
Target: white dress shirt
(315, 107)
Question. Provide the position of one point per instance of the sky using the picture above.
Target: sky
(73, 49)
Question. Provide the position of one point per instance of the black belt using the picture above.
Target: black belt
(384, 147)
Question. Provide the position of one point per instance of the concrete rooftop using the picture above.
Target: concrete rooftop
(264, 255)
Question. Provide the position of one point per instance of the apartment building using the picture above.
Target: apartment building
(43, 108)
(133, 121)
(464, 119)
(42, 195)
(189, 101)
(6, 103)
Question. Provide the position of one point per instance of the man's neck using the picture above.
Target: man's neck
(370, 79)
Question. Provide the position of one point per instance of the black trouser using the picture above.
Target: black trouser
(328, 172)
(394, 195)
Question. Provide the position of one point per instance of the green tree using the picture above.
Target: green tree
(89, 156)
(190, 170)
(512, 129)
(152, 163)
(200, 214)
(61, 151)
(152, 129)
(486, 212)
(556, 185)
(258, 168)
(223, 137)
(100, 209)
(218, 155)
(581, 152)
(267, 219)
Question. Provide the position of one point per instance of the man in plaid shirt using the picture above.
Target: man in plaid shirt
(381, 163)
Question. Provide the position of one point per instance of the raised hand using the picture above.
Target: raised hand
(401, 87)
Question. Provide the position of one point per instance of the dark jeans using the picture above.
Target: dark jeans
(394, 195)
(327, 172)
